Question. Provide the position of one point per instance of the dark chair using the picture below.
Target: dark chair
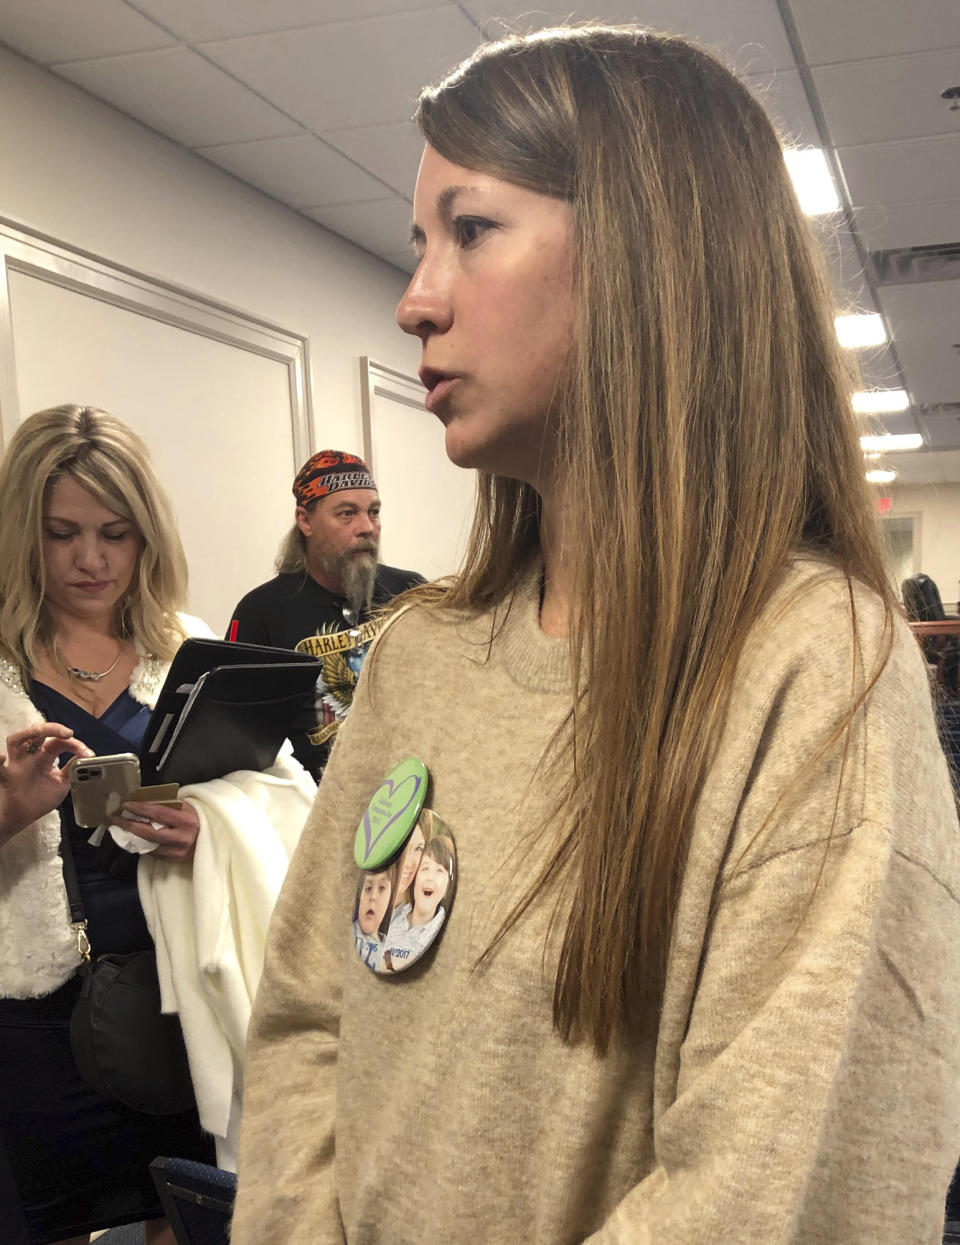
(921, 599)
(198, 1200)
(951, 1228)
(922, 603)
(948, 723)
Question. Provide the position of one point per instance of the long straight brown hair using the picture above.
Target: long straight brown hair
(705, 430)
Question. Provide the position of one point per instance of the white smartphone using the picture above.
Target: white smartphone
(99, 785)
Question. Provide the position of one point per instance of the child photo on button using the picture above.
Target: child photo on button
(423, 832)
(371, 916)
(415, 924)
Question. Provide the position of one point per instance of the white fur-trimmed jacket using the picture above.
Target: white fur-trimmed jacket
(38, 947)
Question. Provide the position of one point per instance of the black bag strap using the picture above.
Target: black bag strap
(78, 916)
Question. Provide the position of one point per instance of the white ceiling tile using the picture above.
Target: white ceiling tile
(925, 321)
(301, 171)
(857, 29)
(55, 30)
(930, 467)
(224, 19)
(349, 70)
(181, 95)
(913, 171)
(750, 33)
(891, 425)
(391, 152)
(353, 73)
(890, 226)
(783, 96)
(941, 430)
(406, 261)
(498, 17)
(895, 97)
(922, 467)
(379, 227)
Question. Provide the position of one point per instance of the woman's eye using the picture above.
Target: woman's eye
(116, 537)
(58, 535)
(470, 229)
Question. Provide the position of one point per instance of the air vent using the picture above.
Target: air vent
(912, 265)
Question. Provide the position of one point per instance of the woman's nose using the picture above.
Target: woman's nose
(90, 552)
(426, 306)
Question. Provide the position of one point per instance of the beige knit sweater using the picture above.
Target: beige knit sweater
(805, 1081)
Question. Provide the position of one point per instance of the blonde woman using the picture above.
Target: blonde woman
(92, 578)
(700, 982)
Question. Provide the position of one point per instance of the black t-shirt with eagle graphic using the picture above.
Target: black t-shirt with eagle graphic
(294, 611)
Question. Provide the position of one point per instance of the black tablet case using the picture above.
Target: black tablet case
(246, 707)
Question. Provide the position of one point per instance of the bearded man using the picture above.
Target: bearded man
(328, 587)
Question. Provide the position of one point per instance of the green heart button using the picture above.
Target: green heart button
(389, 818)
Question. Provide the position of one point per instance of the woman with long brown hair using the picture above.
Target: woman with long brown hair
(699, 981)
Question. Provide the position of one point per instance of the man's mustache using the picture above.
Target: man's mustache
(363, 546)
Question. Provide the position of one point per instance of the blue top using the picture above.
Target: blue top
(107, 876)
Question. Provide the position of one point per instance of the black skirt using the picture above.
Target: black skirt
(79, 1161)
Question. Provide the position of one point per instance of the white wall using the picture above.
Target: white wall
(82, 172)
(938, 506)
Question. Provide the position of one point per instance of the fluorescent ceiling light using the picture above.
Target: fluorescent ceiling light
(880, 401)
(811, 178)
(888, 442)
(881, 475)
(856, 331)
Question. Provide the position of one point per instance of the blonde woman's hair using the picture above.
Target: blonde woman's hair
(110, 461)
(704, 430)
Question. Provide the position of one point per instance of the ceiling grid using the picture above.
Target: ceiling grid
(310, 101)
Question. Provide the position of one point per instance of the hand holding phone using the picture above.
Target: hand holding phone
(32, 783)
(99, 785)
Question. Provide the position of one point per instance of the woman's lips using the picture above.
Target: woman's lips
(438, 386)
(94, 586)
(439, 393)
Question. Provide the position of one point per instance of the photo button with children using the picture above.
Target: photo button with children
(401, 905)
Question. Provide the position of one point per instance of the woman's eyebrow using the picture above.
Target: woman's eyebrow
(56, 518)
(446, 197)
(445, 200)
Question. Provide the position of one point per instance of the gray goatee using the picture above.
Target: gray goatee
(358, 571)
